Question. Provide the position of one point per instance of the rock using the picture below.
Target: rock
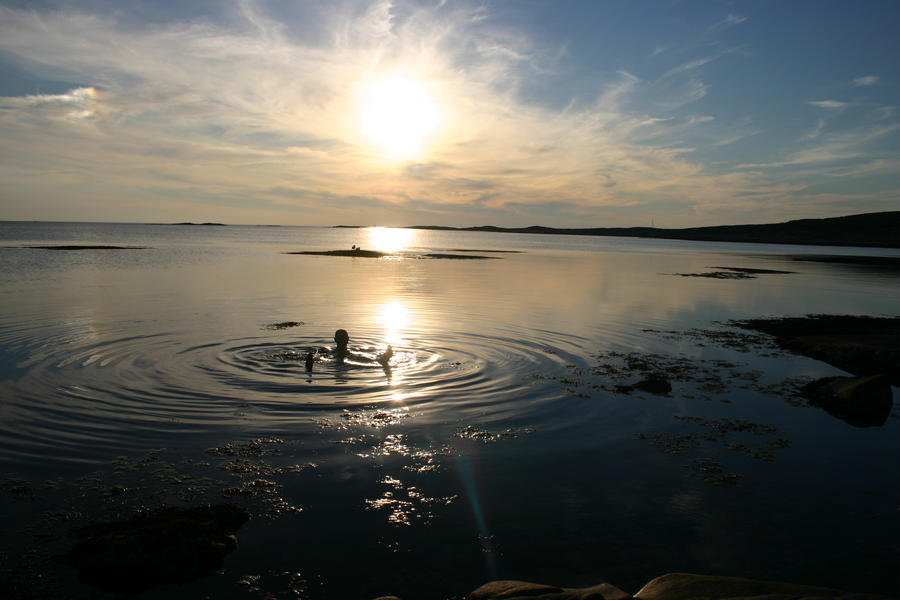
(860, 401)
(685, 586)
(167, 545)
(516, 590)
(655, 384)
(858, 345)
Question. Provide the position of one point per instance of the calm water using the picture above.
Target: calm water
(495, 445)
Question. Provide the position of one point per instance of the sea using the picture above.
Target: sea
(502, 439)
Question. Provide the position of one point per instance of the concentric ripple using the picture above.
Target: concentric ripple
(78, 394)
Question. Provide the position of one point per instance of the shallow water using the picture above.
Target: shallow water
(495, 444)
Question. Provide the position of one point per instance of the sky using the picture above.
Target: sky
(561, 113)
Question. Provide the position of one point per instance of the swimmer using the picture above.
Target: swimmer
(385, 357)
(341, 339)
(341, 351)
(310, 359)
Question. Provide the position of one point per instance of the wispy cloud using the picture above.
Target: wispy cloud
(246, 118)
(689, 66)
(77, 103)
(830, 104)
(817, 130)
(729, 21)
(866, 81)
(832, 148)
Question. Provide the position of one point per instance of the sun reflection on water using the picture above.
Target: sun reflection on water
(394, 317)
(390, 239)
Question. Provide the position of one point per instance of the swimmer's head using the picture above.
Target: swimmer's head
(341, 338)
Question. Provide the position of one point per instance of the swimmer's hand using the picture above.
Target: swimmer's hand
(385, 357)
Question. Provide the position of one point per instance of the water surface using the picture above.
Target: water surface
(495, 445)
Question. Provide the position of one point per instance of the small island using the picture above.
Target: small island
(359, 253)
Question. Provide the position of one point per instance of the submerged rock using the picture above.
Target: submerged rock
(686, 586)
(513, 590)
(860, 401)
(168, 545)
(654, 383)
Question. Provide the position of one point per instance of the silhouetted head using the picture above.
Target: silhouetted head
(341, 338)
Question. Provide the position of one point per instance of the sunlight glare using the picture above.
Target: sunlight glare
(394, 317)
(398, 115)
(389, 239)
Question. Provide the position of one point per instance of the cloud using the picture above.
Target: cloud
(729, 21)
(866, 81)
(834, 148)
(689, 66)
(246, 117)
(77, 103)
(829, 104)
(817, 130)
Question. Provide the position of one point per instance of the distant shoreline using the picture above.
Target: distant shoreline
(872, 230)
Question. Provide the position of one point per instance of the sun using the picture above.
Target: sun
(398, 115)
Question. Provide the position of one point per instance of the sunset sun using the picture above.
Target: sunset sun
(398, 116)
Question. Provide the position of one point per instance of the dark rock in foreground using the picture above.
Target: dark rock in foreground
(860, 401)
(168, 545)
(511, 590)
(859, 345)
(673, 586)
(686, 586)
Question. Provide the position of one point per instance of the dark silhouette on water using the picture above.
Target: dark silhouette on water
(342, 353)
(341, 339)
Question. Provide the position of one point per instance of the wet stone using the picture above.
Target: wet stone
(859, 401)
(168, 545)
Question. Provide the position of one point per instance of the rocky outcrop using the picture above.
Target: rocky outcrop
(168, 545)
(860, 401)
(515, 590)
(858, 345)
(673, 586)
(686, 586)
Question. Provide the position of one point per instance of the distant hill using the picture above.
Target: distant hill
(880, 229)
(202, 224)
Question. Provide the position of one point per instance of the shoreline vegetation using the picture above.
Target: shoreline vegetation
(874, 230)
